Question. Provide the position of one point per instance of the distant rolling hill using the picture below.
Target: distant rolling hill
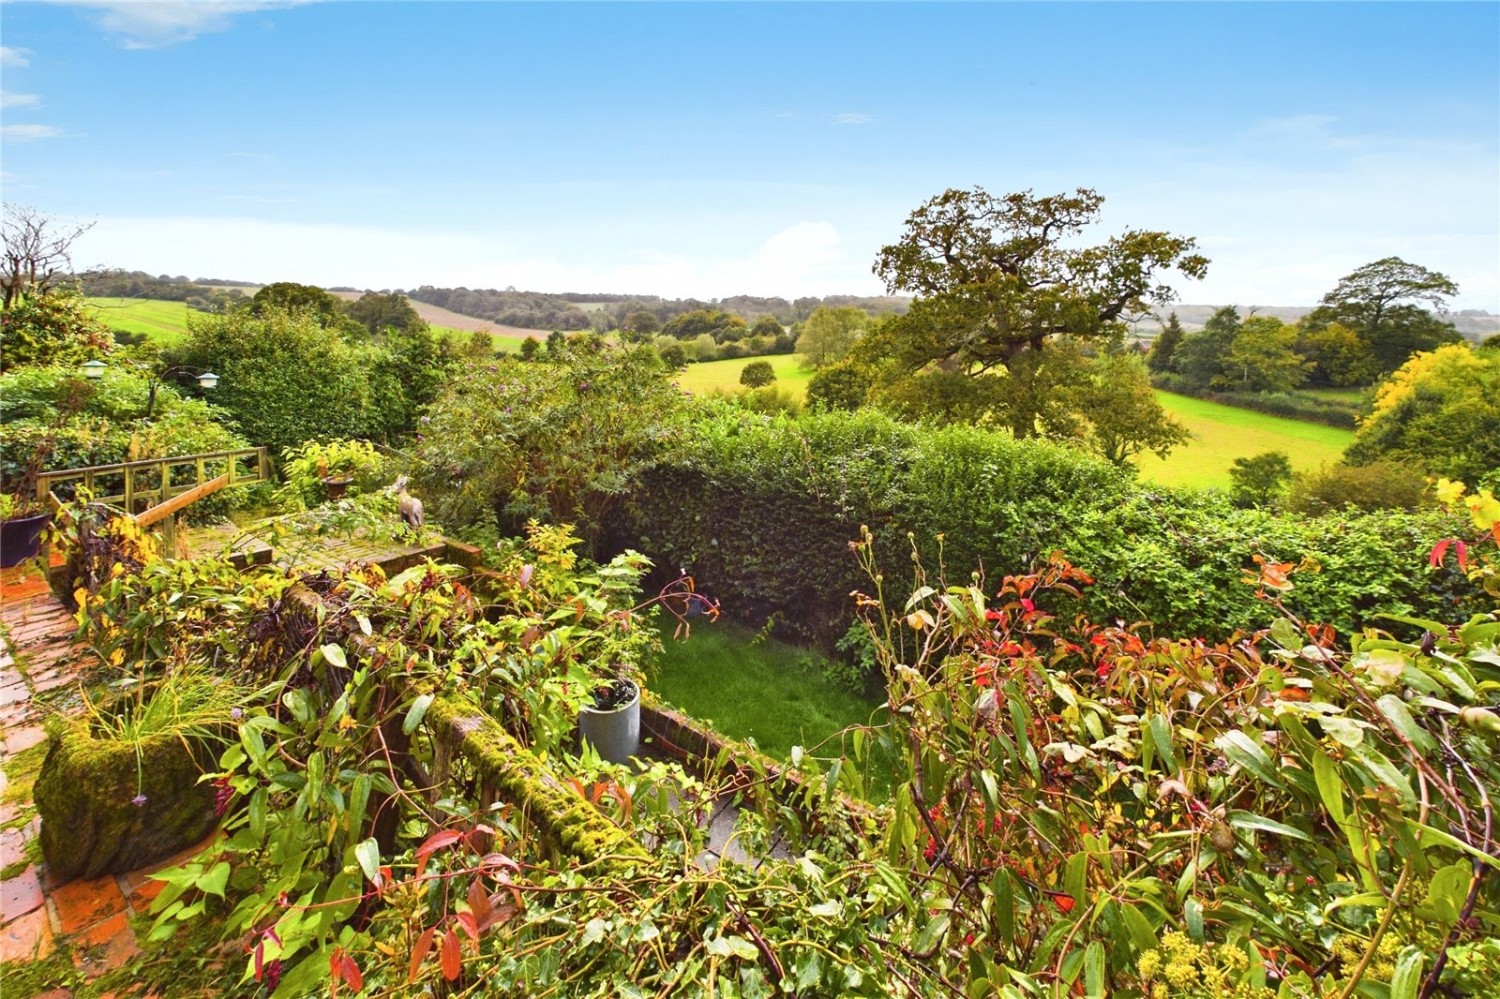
(1476, 324)
(436, 316)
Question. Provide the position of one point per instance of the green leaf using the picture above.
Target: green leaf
(742, 948)
(1408, 974)
(1138, 926)
(415, 713)
(1247, 754)
(1005, 906)
(1330, 787)
(1249, 820)
(1192, 914)
(1161, 737)
(214, 881)
(367, 852)
(335, 656)
(1395, 709)
(1093, 969)
(810, 971)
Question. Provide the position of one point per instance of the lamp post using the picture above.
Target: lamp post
(206, 379)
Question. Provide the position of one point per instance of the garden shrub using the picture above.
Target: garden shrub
(285, 379)
(560, 441)
(1380, 485)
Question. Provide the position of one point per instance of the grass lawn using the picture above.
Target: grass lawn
(1224, 433)
(704, 378)
(767, 691)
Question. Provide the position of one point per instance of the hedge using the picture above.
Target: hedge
(761, 510)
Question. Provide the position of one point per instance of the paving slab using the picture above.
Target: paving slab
(20, 895)
(28, 938)
(81, 904)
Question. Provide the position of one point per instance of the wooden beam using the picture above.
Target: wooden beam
(161, 511)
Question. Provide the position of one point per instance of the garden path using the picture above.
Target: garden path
(92, 919)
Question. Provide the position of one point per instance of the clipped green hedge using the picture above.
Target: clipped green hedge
(761, 511)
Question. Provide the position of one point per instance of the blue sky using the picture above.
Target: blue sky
(717, 149)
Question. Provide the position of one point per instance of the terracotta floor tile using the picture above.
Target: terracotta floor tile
(142, 895)
(26, 939)
(105, 945)
(12, 847)
(81, 904)
(20, 895)
(23, 738)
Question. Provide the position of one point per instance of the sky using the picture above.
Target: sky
(709, 150)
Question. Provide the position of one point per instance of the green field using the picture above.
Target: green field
(1220, 433)
(165, 323)
(725, 375)
(1224, 433)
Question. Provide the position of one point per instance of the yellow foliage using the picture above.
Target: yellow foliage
(1455, 362)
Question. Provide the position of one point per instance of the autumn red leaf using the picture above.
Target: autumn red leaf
(479, 901)
(1062, 900)
(419, 953)
(451, 956)
(437, 841)
(351, 973)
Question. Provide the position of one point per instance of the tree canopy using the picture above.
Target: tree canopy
(1439, 412)
(1383, 303)
(1002, 275)
(829, 333)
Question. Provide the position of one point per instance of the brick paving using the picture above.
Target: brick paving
(92, 917)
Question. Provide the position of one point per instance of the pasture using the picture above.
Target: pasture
(1220, 433)
(1223, 433)
(165, 323)
(704, 378)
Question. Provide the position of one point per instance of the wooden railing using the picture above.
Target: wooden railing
(137, 485)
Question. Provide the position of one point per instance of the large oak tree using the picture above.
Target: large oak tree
(999, 276)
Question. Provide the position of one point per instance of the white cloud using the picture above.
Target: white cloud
(852, 118)
(11, 100)
(154, 24)
(14, 58)
(1295, 203)
(28, 133)
(806, 258)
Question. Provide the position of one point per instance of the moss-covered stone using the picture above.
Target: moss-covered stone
(87, 794)
(571, 824)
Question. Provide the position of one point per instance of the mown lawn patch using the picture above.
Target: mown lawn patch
(767, 690)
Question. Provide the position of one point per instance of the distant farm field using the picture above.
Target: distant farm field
(1220, 433)
(163, 322)
(705, 378)
(166, 322)
(1224, 433)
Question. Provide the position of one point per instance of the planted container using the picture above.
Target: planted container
(335, 487)
(111, 805)
(20, 538)
(612, 725)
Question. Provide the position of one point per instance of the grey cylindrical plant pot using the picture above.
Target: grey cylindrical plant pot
(615, 734)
